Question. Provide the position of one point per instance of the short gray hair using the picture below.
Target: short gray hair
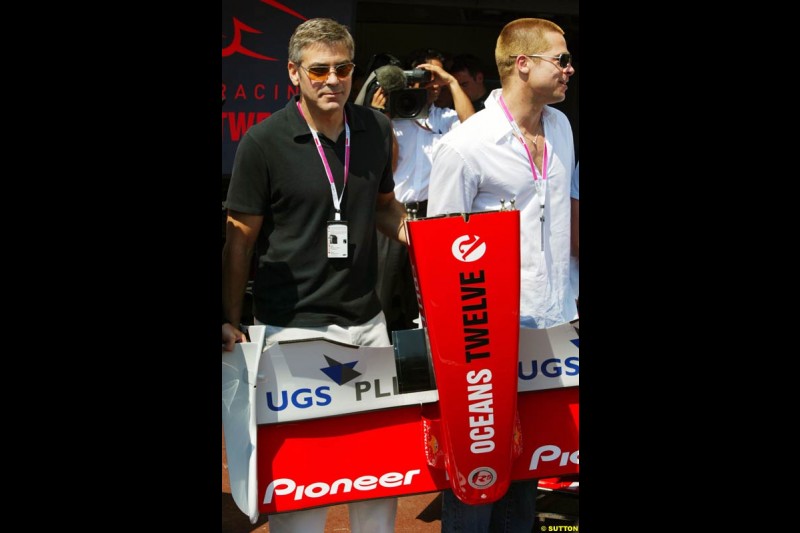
(319, 31)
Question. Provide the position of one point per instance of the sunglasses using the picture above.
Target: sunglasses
(564, 60)
(321, 73)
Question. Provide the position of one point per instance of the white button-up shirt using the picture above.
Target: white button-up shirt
(417, 139)
(482, 162)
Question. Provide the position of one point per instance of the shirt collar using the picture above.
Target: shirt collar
(298, 126)
(503, 126)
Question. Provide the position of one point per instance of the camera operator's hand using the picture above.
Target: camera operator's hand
(379, 100)
(461, 101)
(440, 76)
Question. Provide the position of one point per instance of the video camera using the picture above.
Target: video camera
(418, 75)
(402, 101)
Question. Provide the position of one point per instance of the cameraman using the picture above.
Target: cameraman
(416, 139)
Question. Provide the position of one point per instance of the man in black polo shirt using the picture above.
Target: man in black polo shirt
(309, 187)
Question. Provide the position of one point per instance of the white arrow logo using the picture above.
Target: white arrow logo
(468, 248)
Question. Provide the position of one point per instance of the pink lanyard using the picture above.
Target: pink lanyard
(337, 200)
(540, 184)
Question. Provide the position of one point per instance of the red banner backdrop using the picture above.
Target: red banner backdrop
(255, 42)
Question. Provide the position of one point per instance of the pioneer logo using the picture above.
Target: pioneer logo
(468, 248)
(550, 452)
(286, 486)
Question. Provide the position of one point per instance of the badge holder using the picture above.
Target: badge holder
(337, 239)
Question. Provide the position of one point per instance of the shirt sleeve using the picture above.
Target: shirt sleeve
(247, 191)
(573, 193)
(453, 184)
(442, 119)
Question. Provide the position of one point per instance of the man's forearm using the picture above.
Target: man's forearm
(461, 102)
(235, 273)
(389, 220)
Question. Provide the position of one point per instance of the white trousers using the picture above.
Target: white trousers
(370, 333)
(370, 516)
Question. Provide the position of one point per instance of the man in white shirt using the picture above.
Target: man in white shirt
(416, 139)
(490, 159)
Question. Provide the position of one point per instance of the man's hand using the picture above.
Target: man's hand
(230, 336)
(379, 100)
(461, 101)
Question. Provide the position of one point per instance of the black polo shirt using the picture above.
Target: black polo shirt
(278, 173)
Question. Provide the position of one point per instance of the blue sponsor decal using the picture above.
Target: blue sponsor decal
(340, 373)
(549, 368)
(303, 398)
(300, 398)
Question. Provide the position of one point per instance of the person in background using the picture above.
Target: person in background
(469, 72)
(309, 187)
(359, 77)
(445, 98)
(416, 140)
(518, 148)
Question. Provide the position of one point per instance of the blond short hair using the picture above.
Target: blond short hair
(521, 36)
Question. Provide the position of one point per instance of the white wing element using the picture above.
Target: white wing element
(239, 375)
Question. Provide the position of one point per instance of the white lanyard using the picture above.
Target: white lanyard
(337, 200)
(539, 184)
